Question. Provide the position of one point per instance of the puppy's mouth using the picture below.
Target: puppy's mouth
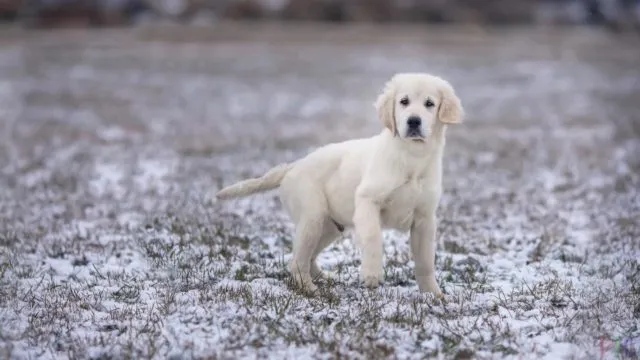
(415, 135)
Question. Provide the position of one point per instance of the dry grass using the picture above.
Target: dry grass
(110, 246)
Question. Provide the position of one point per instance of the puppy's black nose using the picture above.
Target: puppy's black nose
(414, 122)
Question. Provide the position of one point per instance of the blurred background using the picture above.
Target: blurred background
(615, 14)
(119, 118)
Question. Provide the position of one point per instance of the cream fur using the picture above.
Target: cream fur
(388, 181)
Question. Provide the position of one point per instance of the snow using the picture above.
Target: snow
(111, 244)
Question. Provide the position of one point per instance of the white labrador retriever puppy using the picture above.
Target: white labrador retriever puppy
(389, 181)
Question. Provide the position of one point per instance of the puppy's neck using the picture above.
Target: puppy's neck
(414, 159)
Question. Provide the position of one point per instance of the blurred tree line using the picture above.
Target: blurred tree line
(616, 14)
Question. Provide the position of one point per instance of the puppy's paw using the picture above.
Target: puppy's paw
(372, 281)
(310, 288)
(439, 296)
(430, 285)
(306, 286)
(435, 290)
(304, 282)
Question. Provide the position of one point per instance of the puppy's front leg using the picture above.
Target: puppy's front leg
(423, 247)
(366, 221)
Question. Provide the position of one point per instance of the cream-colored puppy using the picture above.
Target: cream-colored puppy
(392, 180)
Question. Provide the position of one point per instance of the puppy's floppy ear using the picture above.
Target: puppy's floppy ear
(450, 111)
(385, 105)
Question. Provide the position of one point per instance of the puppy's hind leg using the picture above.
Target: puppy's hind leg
(308, 209)
(308, 233)
(329, 235)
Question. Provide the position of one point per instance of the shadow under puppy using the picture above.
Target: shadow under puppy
(392, 180)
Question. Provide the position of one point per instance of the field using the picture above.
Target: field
(113, 141)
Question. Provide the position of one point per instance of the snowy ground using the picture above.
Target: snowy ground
(112, 142)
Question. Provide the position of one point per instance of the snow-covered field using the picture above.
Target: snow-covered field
(111, 245)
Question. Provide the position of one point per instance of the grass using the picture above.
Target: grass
(110, 246)
(202, 277)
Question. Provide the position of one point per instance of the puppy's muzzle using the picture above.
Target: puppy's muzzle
(414, 127)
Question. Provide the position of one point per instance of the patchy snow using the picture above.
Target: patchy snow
(111, 244)
(107, 180)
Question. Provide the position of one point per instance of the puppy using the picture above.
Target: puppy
(389, 181)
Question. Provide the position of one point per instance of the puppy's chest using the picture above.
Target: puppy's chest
(398, 209)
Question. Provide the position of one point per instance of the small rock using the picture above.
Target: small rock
(558, 302)
(80, 261)
(464, 354)
(108, 328)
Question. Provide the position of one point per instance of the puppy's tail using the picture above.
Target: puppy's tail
(268, 181)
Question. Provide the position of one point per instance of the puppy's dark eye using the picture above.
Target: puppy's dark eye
(404, 101)
(429, 104)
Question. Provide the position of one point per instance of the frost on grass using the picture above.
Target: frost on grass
(110, 244)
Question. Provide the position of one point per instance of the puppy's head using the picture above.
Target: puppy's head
(412, 103)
